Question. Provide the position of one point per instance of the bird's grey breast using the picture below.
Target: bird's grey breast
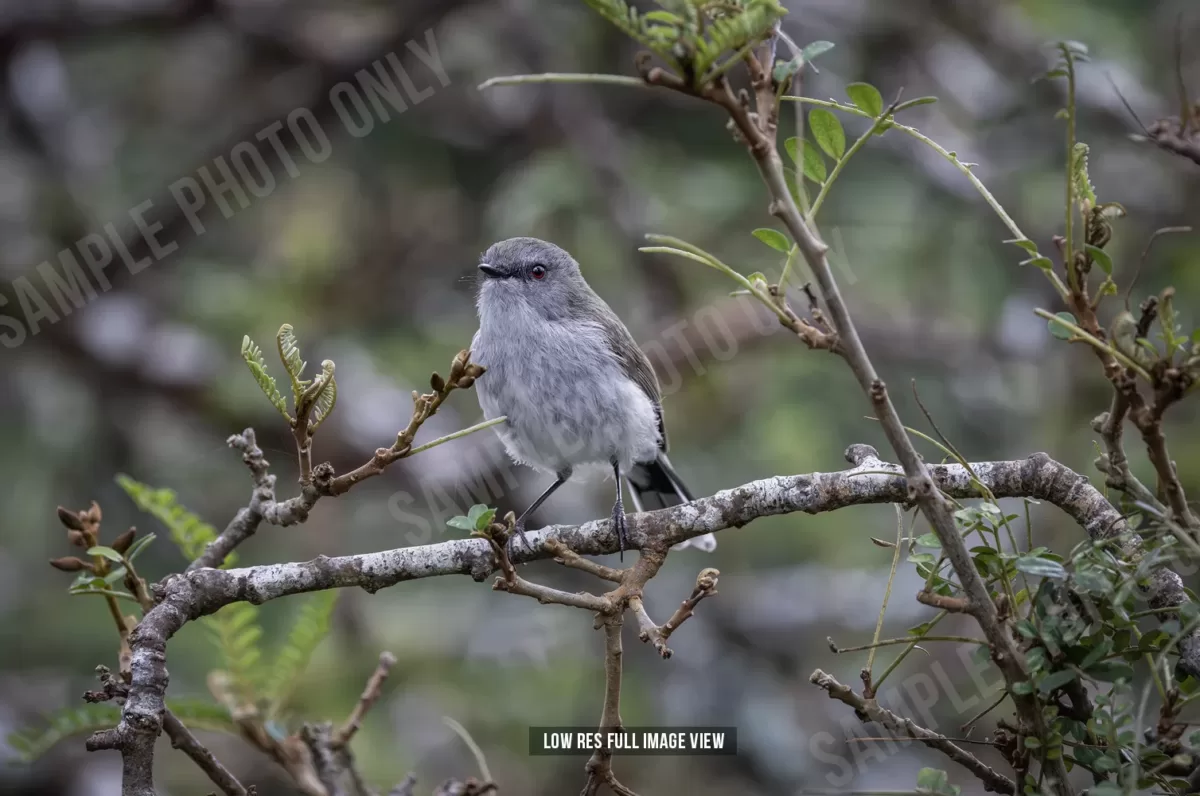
(566, 396)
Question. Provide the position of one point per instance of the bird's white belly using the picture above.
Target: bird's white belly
(564, 413)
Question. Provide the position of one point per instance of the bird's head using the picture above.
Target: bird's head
(529, 270)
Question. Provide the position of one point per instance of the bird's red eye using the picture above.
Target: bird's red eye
(538, 271)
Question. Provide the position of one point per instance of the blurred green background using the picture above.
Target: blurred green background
(371, 253)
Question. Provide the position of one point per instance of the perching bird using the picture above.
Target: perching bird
(568, 375)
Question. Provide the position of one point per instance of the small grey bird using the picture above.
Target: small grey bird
(575, 387)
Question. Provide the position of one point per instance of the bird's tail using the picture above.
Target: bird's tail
(655, 485)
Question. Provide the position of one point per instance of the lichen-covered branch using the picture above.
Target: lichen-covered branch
(185, 597)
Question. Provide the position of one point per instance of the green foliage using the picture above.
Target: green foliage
(289, 354)
(1085, 193)
(187, 531)
(1060, 330)
(866, 97)
(813, 165)
(935, 782)
(258, 367)
(477, 519)
(1100, 258)
(309, 628)
(312, 398)
(326, 397)
(774, 238)
(33, 742)
(692, 36)
(106, 552)
(236, 633)
(828, 132)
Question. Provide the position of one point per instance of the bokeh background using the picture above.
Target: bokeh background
(370, 254)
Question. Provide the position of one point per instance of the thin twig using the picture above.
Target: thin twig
(991, 778)
(370, 694)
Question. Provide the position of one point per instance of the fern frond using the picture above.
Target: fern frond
(189, 532)
(33, 742)
(203, 714)
(308, 630)
(289, 354)
(258, 368)
(236, 633)
(732, 30)
(326, 398)
(658, 37)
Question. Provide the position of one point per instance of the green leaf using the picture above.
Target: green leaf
(1040, 261)
(1041, 567)
(138, 546)
(258, 368)
(1060, 331)
(1110, 671)
(326, 398)
(663, 16)
(1079, 173)
(813, 49)
(106, 552)
(462, 523)
(792, 146)
(866, 97)
(773, 238)
(309, 628)
(928, 540)
(814, 164)
(1024, 243)
(1022, 688)
(1032, 742)
(1056, 680)
(936, 782)
(785, 69)
(912, 103)
(1101, 650)
(289, 354)
(187, 530)
(828, 132)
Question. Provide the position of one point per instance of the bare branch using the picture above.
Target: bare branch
(706, 586)
(993, 780)
(369, 696)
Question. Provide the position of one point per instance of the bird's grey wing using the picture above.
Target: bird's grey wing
(635, 364)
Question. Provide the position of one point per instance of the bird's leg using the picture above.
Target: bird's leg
(563, 475)
(618, 511)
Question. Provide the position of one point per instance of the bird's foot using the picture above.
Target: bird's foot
(618, 521)
(518, 530)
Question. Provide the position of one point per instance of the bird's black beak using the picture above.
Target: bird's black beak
(490, 272)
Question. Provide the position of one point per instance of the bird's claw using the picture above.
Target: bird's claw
(518, 530)
(618, 521)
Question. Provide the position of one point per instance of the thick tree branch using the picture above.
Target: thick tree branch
(872, 711)
(188, 596)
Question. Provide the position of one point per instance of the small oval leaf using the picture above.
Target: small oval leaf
(1101, 258)
(773, 238)
(106, 552)
(828, 132)
(814, 165)
(1059, 330)
(1041, 567)
(866, 97)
